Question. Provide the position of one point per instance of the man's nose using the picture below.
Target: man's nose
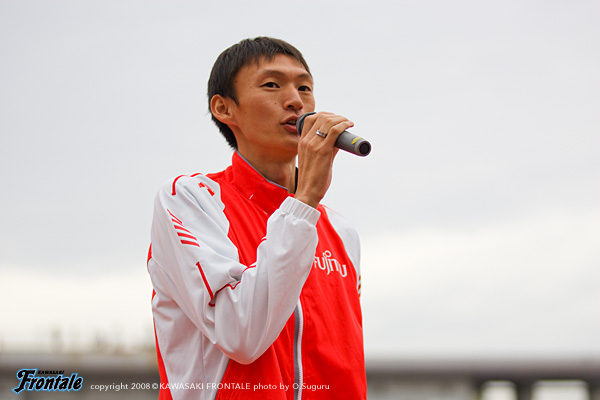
(293, 99)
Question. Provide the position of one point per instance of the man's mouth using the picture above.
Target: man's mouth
(290, 123)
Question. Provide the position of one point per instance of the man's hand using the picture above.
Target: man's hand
(316, 154)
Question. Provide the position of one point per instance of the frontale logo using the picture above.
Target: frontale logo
(31, 382)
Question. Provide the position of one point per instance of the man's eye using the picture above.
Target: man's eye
(305, 89)
(270, 85)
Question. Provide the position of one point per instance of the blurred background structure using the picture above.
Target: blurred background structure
(134, 376)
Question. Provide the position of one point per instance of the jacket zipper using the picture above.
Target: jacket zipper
(298, 330)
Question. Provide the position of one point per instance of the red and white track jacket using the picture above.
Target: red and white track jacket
(256, 294)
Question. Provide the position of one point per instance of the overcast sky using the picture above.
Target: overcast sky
(478, 208)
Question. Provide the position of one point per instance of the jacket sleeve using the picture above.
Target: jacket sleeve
(241, 309)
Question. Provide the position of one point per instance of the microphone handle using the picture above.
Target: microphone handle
(346, 141)
(353, 144)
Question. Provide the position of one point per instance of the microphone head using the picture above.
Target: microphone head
(364, 149)
(300, 122)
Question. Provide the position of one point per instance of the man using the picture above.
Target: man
(256, 285)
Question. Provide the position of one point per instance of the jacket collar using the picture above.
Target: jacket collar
(255, 187)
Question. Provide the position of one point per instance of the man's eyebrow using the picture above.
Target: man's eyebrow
(278, 73)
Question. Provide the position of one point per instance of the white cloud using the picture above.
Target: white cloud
(521, 285)
(44, 310)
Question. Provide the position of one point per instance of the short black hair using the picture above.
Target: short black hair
(229, 63)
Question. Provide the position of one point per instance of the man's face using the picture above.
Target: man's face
(271, 96)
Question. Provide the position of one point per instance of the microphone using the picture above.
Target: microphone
(346, 141)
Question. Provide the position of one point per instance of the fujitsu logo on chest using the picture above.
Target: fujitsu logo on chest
(329, 264)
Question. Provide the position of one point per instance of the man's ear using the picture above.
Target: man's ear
(222, 108)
